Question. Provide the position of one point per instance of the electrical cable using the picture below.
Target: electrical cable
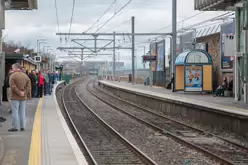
(92, 26)
(179, 21)
(114, 15)
(72, 14)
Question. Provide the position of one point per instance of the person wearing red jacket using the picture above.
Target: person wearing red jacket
(41, 81)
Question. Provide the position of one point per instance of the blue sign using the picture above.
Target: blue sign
(227, 45)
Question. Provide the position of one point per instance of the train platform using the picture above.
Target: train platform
(225, 104)
(46, 141)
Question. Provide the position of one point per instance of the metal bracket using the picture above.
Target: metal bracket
(239, 54)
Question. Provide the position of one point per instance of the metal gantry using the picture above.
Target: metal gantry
(97, 49)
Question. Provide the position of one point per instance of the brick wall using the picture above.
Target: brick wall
(213, 42)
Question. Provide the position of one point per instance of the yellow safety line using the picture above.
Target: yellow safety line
(35, 147)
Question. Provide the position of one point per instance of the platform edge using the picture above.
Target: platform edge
(76, 150)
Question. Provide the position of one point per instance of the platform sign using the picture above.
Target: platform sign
(193, 78)
(148, 58)
(38, 59)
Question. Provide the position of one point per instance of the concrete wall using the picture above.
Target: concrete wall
(205, 116)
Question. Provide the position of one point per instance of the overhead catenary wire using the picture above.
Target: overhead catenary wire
(180, 21)
(113, 15)
(196, 25)
(72, 15)
(93, 25)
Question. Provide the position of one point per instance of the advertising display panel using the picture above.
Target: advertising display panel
(193, 78)
(161, 56)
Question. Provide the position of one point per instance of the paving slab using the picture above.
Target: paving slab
(17, 144)
(206, 99)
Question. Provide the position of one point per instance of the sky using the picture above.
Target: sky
(150, 15)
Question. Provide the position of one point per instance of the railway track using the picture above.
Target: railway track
(221, 149)
(103, 144)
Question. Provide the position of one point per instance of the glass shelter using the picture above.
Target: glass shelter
(194, 72)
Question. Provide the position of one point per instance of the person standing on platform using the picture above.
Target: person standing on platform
(30, 93)
(33, 83)
(45, 76)
(41, 82)
(53, 80)
(37, 83)
(20, 86)
(55, 77)
(50, 79)
(60, 76)
(24, 70)
(7, 83)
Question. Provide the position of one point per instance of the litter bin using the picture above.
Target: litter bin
(147, 81)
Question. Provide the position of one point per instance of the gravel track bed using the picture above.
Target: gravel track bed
(243, 140)
(162, 149)
(105, 147)
(59, 92)
(212, 144)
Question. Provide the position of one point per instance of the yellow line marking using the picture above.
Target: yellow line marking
(35, 147)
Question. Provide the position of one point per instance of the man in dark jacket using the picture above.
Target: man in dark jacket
(33, 82)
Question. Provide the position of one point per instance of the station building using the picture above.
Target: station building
(240, 7)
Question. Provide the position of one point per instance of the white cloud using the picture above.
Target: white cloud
(28, 26)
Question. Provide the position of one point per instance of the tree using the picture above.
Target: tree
(11, 46)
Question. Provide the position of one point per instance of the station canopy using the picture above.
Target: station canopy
(215, 5)
(194, 57)
(21, 4)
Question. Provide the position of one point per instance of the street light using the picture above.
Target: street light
(38, 48)
(44, 47)
(39, 41)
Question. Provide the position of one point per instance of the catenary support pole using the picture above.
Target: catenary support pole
(245, 56)
(133, 48)
(174, 38)
(236, 66)
(171, 54)
(113, 71)
(81, 63)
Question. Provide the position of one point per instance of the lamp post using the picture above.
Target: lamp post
(45, 54)
(51, 58)
(38, 44)
(39, 41)
(44, 48)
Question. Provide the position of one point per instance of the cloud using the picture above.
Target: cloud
(150, 15)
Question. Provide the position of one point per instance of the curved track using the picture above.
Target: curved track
(224, 151)
(103, 144)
